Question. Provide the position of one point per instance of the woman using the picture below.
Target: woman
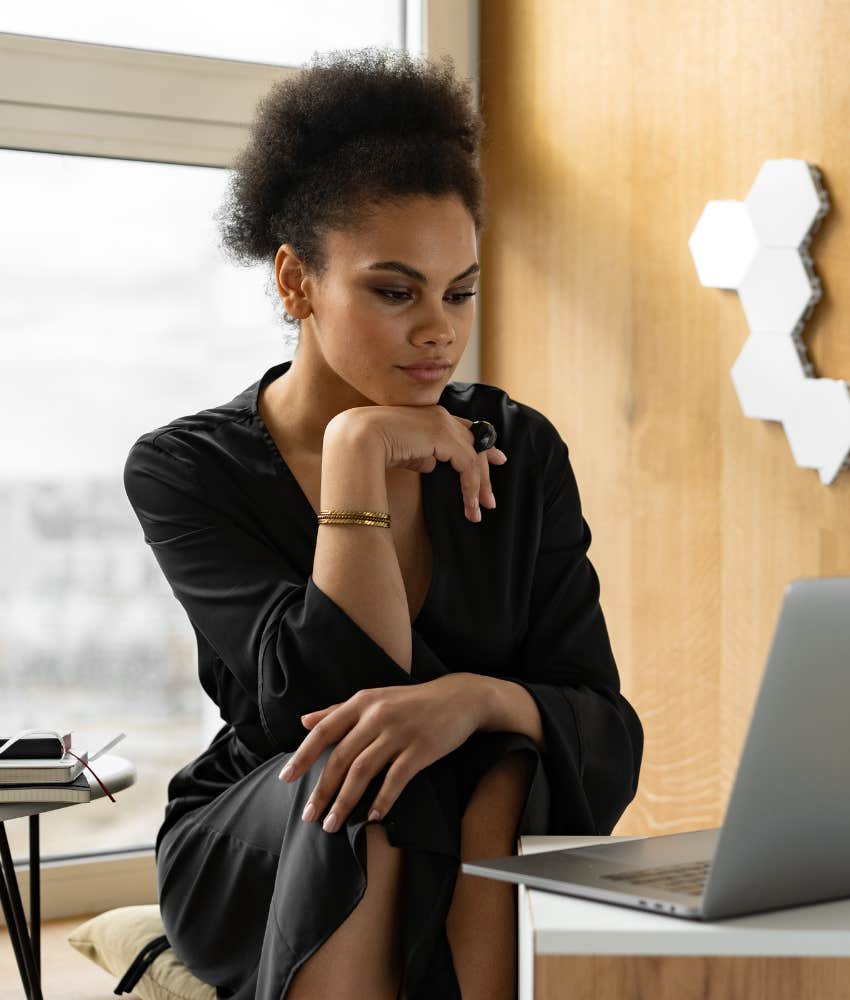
(453, 673)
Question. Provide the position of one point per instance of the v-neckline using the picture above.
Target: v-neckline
(281, 466)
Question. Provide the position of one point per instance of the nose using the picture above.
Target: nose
(438, 328)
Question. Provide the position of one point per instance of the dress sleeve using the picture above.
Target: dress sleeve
(593, 737)
(291, 648)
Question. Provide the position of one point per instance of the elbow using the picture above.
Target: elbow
(612, 753)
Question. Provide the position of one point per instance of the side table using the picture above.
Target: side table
(572, 947)
(116, 773)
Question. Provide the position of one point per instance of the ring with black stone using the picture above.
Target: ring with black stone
(485, 434)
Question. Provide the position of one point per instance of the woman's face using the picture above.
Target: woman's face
(368, 320)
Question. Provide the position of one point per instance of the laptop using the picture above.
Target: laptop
(785, 838)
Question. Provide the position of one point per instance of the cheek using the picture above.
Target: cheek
(372, 332)
(365, 350)
(364, 317)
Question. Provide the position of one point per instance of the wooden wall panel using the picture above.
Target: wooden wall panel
(609, 127)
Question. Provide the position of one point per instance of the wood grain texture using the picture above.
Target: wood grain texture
(609, 127)
(650, 977)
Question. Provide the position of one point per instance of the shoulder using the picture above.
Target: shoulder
(205, 437)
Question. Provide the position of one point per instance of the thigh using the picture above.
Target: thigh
(216, 874)
(247, 889)
(363, 956)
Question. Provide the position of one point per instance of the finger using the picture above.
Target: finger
(327, 730)
(492, 449)
(345, 758)
(321, 711)
(464, 460)
(311, 718)
(470, 483)
(493, 453)
(486, 490)
(397, 778)
(484, 495)
(363, 768)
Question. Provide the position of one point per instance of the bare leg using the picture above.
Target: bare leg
(362, 958)
(481, 922)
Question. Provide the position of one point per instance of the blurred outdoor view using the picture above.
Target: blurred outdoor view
(278, 32)
(118, 312)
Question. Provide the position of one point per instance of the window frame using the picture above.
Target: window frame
(92, 99)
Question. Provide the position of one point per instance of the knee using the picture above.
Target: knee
(518, 766)
(504, 785)
(492, 815)
(301, 789)
(311, 775)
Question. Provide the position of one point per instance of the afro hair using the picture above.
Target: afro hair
(353, 128)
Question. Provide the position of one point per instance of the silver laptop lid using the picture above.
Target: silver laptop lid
(785, 835)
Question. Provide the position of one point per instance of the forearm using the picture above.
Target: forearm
(508, 707)
(356, 565)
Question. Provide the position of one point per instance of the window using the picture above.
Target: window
(117, 313)
(279, 32)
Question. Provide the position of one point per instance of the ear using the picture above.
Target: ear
(290, 276)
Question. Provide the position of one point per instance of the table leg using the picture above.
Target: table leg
(35, 894)
(16, 921)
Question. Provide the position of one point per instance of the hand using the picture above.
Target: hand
(410, 726)
(417, 437)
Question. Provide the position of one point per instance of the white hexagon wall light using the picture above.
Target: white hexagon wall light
(760, 248)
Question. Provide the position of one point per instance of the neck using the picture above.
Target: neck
(307, 397)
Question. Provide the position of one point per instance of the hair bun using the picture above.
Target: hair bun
(350, 127)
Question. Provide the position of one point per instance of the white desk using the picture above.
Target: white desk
(116, 773)
(571, 948)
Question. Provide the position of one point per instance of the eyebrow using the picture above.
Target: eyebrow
(411, 272)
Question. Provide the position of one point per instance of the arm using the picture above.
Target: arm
(592, 738)
(356, 565)
(290, 647)
(508, 707)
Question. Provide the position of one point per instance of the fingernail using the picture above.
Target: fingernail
(330, 823)
(374, 814)
(491, 498)
(309, 812)
(287, 771)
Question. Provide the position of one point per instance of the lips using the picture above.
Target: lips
(428, 365)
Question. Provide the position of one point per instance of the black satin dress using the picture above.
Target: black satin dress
(248, 891)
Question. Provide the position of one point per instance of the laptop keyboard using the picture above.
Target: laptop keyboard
(689, 877)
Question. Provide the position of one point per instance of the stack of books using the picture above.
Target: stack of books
(41, 765)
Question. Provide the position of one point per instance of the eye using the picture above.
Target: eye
(396, 295)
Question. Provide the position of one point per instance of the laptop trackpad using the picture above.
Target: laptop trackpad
(670, 849)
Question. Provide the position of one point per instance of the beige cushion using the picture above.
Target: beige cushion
(113, 939)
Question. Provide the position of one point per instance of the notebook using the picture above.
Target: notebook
(78, 790)
(47, 779)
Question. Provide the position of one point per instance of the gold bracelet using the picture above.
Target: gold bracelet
(376, 518)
